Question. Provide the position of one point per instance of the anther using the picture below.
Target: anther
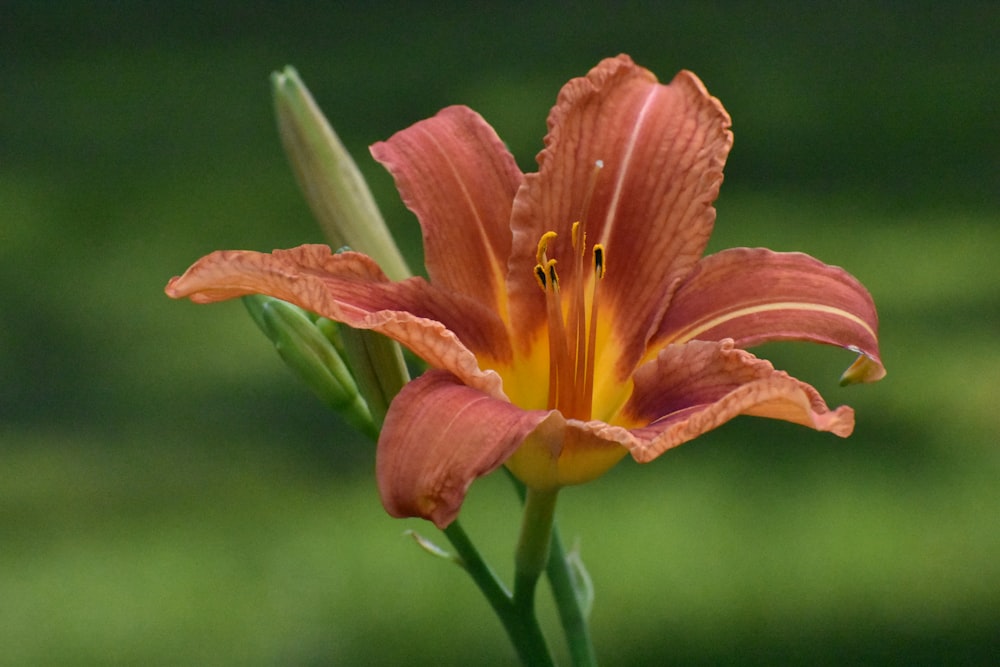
(540, 276)
(543, 246)
(553, 276)
(598, 261)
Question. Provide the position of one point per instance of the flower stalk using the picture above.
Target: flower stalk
(571, 589)
(532, 553)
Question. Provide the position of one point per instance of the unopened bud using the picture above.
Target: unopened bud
(334, 187)
(378, 366)
(314, 358)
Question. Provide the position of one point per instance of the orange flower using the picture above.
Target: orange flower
(569, 318)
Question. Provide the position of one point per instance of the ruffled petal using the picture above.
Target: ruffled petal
(438, 437)
(756, 295)
(457, 176)
(662, 148)
(691, 389)
(446, 330)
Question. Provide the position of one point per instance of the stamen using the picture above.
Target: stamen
(559, 383)
(599, 270)
(577, 320)
(543, 246)
(572, 332)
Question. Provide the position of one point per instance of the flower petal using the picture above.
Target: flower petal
(439, 436)
(662, 148)
(459, 179)
(756, 295)
(693, 388)
(446, 330)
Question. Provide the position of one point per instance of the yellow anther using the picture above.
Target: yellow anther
(550, 266)
(575, 234)
(543, 245)
(599, 266)
(540, 276)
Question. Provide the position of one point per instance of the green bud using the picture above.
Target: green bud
(334, 187)
(307, 351)
(378, 368)
(376, 362)
(342, 203)
(331, 330)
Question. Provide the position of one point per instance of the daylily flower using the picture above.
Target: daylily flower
(568, 317)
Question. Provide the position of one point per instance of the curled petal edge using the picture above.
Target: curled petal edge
(777, 397)
(782, 398)
(306, 276)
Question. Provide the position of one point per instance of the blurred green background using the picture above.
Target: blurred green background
(169, 493)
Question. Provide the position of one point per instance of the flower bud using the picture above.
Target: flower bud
(336, 191)
(378, 367)
(307, 351)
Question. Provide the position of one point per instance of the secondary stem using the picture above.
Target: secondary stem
(522, 629)
(571, 614)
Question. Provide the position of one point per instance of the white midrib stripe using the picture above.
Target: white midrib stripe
(693, 332)
(626, 164)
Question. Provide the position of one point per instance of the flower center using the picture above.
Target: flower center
(572, 319)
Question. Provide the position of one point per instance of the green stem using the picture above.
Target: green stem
(533, 546)
(522, 629)
(568, 603)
